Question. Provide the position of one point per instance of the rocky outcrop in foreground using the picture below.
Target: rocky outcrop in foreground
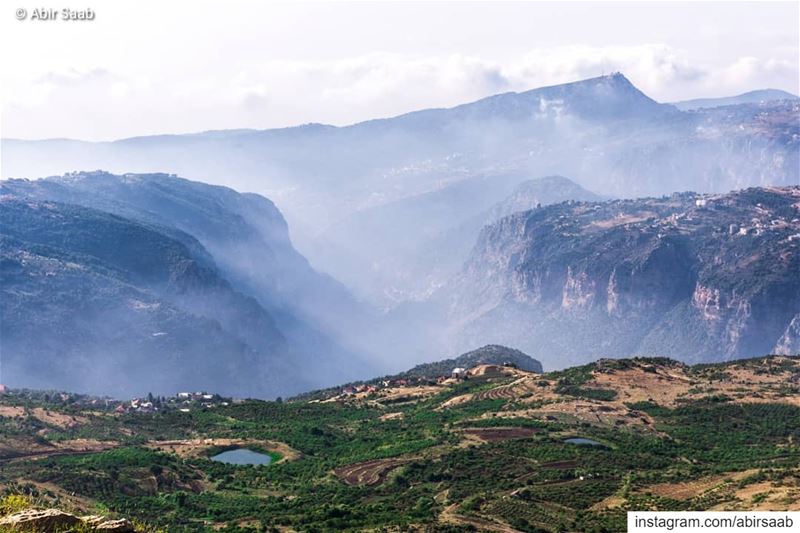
(54, 520)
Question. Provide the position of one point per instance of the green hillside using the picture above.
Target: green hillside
(492, 452)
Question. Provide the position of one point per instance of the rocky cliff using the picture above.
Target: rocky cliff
(97, 302)
(699, 278)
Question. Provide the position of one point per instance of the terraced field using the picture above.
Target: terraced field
(514, 390)
(369, 472)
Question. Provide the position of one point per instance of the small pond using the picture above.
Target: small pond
(242, 456)
(583, 441)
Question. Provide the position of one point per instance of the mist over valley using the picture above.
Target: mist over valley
(369, 248)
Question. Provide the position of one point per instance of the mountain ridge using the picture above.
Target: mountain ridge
(751, 97)
(617, 80)
(603, 133)
(625, 275)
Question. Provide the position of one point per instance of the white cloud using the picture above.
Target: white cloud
(146, 66)
(101, 103)
(381, 84)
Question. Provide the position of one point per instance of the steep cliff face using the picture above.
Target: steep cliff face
(245, 234)
(688, 276)
(94, 301)
(100, 303)
(789, 343)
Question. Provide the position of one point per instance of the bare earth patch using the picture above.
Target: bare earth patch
(743, 383)
(450, 516)
(458, 400)
(9, 411)
(52, 418)
(57, 419)
(40, 450)
(636, 385)
(499, 433)
(687, 490)
(197, 447)
(610, 414)
(612, 502)
(767, 496)
(389, 395)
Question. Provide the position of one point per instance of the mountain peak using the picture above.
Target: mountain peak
(615, 80)
(610, 96)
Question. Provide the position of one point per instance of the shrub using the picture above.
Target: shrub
(14, 503)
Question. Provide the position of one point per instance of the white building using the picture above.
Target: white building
(458, 373)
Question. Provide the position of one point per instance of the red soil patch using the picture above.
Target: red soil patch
(500, 434)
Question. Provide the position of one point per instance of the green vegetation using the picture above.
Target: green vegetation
(514, 468)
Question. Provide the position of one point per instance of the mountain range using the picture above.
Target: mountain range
(603, 133)
(752, 97)
(432, 232)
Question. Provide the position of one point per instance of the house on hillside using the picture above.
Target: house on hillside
(458, 373)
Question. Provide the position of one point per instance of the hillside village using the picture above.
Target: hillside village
(181, 401)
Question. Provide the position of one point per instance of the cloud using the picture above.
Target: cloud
(382, 84)
(371, 85)
(101, 103)
(76, 78)
(747, 70)
(651, 66)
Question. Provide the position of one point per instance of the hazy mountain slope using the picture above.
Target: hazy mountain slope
(540, 191)
(692, 277)
(752, 97)
(390, 240)
(492, 354)
(246, 235)
(423, 257)
(444, 255)
(100, 303)
(603, 132)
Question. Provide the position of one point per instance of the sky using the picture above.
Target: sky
(144, 67)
